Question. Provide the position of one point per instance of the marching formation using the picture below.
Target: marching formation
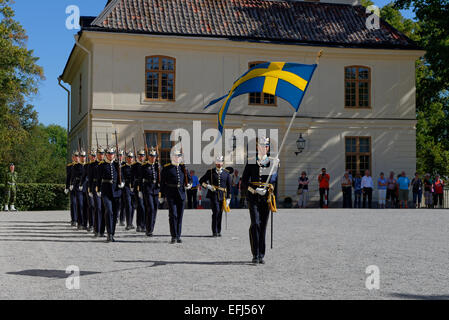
(112, 185)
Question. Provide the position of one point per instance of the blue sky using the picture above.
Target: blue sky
(44, 21)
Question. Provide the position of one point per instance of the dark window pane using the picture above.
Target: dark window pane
(350, 73)
(350, 94)
(351, 145)
(363, 74)
(166, 143)
(364, 145)
(363, 94)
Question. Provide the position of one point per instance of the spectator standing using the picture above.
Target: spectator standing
(428, 186)
(10, 188)
(235, 187)
(438, 186)
(303, 190)
(417, 186)
(382, 190)
(404, 185)
(367, 189)
(391, 190)
(346, 187)
(357, 183)
(323, 180)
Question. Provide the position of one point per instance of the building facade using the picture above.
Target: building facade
(151, 66)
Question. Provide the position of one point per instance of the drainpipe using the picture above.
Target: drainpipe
(89, 89)
(69, 126)
(68, 104)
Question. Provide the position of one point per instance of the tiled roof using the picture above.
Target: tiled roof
(258, 20)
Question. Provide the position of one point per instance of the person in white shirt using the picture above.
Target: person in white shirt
(367, 189)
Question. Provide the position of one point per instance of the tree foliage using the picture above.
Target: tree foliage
(39, 152)
(431, 32)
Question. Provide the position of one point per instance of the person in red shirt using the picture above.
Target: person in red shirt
(438, 186)
(323, 180)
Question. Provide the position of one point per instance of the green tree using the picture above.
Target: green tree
(42, 157)
(19, 78)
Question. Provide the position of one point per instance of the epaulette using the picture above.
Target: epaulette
(101, 162)
(70, 164)
(226, 170)
(167, 165)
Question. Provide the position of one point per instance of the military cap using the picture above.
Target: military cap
(130, 154)
(264, 141)
(219, 159)
(177, 153)
(153, 152)
(141, 153)
(111, 150)
(83, 153)
(93, 153)
(121, 152)
(100, 150)
(76, 154)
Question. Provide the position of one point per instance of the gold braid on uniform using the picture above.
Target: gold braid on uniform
(271, 200)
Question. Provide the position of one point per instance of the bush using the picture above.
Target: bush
(39, 197)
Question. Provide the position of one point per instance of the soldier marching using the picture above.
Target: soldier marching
(121, 190)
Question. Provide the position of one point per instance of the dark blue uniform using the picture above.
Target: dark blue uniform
(99, 223)
(122, 215)
(128, 194)
(68, 181)
(90, 201)
(78, 179)
(222, 182)
(173, 188)
(151, 189)
(140, 206)
(253, 176)
(110, 193)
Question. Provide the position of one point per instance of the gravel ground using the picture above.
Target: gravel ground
(318, 254)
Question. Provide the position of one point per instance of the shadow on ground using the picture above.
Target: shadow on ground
(207, 263)
(418, 296)
(55, 274)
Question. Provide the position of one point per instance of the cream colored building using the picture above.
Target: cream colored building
(207, 47)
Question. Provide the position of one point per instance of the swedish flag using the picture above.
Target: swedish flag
(288, 81)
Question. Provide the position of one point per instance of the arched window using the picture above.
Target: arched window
(160, 74)
(357, 87)
(259, 98)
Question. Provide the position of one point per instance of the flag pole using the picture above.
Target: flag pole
(276, 160)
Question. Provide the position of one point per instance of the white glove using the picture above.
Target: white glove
(211, 188)
(261, 191)
(228, 202)
(66, 191)
(140, 194)
(91, 194)
(132, 189)
(161, 200)
(71, 188)
(99, 194)
(121, 185)
(80, 188)
(189, 186)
